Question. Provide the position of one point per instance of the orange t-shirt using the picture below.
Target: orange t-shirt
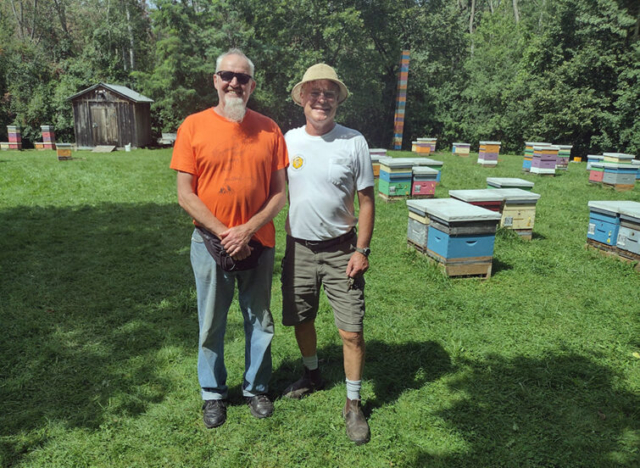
(233, 163)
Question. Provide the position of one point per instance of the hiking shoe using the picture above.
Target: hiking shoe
(310, 382)
(214, 413)
(261, 406)
(357, 426)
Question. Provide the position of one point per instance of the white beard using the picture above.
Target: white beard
(234, 108)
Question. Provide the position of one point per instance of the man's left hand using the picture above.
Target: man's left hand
(235, 239)
(358, 265)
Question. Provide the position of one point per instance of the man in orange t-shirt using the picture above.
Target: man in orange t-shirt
(231, 165)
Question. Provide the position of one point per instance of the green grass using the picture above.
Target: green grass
(532, 368)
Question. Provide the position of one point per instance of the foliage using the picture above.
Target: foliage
(562, 70)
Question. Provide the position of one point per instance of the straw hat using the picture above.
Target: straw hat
(320, 71)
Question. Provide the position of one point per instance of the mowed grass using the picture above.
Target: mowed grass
(536, 367)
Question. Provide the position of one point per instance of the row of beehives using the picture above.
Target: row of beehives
(614, 227)
(48, 141)
(459, 232)
(545, 158)
(617, 170)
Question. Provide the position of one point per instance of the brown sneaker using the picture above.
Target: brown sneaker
(357, 426)
(310, 382)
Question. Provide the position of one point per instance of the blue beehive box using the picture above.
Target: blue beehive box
(460, 236)
(604, 220)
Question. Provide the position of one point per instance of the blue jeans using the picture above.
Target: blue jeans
(215, 289)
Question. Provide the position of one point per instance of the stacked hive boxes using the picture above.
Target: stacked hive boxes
(424, 182)
(564, 154)
(591, 158)
(619, 171)
(15, 137)
(376, 155)
(509, 182)
(528, 154)
(395, 178)
(488, 154)
(519, 211)
(422, 147)
(596, 172)
(544, 160)
(605, 222)
(517, 207)
(628, 242)
(48, 137)
(459, 236)
(431, 142)
(461, 149)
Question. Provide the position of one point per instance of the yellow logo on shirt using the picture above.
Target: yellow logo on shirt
(298, 162)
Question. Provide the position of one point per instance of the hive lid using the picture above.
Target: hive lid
(490, 143)
(476, 195)
(451, 210)
(516, 194)
(615, 206)
(424, 170)
(620, 155)
(509, 182)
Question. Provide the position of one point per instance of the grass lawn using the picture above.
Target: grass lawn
(536, 367)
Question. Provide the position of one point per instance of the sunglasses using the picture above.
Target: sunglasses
(227, 76)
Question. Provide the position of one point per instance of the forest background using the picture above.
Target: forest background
(564, 71)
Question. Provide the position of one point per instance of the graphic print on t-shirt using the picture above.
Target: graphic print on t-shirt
(298, 162)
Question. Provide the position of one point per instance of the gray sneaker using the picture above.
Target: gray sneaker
(310, 382)
(357, 426)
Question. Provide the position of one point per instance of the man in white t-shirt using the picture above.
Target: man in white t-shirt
(330, 165)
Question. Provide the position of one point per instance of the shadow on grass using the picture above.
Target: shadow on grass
(89, 297)
(561, 410)
(392, 369)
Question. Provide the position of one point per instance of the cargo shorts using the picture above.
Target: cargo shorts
(306, 267)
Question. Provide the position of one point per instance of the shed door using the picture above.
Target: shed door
(104, 124)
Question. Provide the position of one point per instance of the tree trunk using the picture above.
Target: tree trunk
(132, 42)
(516, 13)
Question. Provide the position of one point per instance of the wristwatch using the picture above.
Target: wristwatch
(366, 251)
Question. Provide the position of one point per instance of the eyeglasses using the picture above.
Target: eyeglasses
(328, 95)
(227, 76)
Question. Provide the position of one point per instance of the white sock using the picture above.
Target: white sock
(310, 362)
(353, 389)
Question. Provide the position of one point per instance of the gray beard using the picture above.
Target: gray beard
(234, 109)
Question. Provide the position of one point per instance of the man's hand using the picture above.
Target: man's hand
(236, 239)
(244, 253)
(358, 265)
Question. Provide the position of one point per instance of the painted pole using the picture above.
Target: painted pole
(401, 101)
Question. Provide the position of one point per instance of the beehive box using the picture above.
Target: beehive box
(619, 176)
(431, 142)
(628, 241)
(596, 173)
(519, 211)
(509, 182)
(461, 149)
(424, 181)
(63, 151)
(486, 198)
(544, 160)
(488, 153)
(593, 158)
(564, 154)
(460, 236)
(528, 154)
(604, 220)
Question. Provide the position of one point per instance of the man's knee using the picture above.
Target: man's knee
(352, 339)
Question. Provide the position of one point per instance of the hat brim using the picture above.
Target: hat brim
(297, 89)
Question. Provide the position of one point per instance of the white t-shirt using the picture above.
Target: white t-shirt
(324, 175)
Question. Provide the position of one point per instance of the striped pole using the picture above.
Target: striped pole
(401, 101)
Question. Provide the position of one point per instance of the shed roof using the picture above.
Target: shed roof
(123, 91)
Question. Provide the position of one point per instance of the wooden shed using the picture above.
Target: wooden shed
(108, 114)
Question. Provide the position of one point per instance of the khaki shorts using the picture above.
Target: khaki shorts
(305, 269)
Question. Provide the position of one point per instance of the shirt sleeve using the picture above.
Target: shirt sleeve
(183, 157)
(281, 159)
(364, 176)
